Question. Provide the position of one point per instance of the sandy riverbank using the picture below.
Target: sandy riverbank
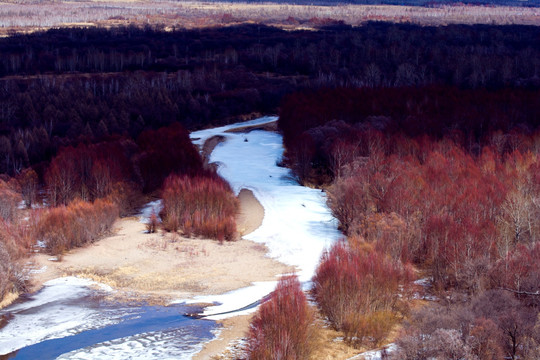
(161, 267)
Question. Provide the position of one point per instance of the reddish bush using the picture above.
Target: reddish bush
(166, 151)
(202, 206)
(28, 181)
(519, 273)
(443, 213)
(9, 202)
(494, 325)
(14, 245)
(358, 290)
(127, 196)
(7, 271)
(88, 172)
(16, 238)
(77, 224)
(283, 326)
(153, 223)
(485, 340)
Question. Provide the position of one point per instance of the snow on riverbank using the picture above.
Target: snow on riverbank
(297, 224)
(63, 317)
(296, 228)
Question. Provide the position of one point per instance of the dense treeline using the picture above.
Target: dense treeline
(531, 3)
(444, 179)
(65, 85)
(425, 136)
(325, 129)
(461, 54)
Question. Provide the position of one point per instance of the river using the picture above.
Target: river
(72, 318)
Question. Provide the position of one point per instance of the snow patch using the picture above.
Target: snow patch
(52, 313)
(297, 225)
(153, 207)
(234, 300)
(375, 354)
(176, 344)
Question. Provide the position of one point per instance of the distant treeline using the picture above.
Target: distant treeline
(374, 54)
(66, 86)
(526, 3)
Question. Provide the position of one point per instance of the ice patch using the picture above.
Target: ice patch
(375, 354)
(297, 225)
(52, 313)
(177, 344)
(153, 207)
(41, 244)
(38, 271)
(199, 137)
(234, 300)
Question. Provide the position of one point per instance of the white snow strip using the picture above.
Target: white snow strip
(153, 207)
(375, 354)
(297, 225)
(234, 300)
(41, 270)
(177, 344)
(199, 137)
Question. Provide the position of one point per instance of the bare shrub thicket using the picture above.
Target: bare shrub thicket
(16, 238)
(494, 325)
(200, 205)
(358, 290)
(283, 327)
(9, 201)
(76, 224)
(6, 271)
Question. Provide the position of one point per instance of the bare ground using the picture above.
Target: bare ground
(161, 267)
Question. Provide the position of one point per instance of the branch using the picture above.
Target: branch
(537, 293)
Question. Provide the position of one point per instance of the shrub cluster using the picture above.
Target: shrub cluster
(9, 201)
(283, 327)
(493, 325)
(6, 272)
(449, 212)
(77, 224)
(325, 129)
(16, 238)
(358, 290)
(200, 205)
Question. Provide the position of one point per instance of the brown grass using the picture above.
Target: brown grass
(75, 225)
(29, 16)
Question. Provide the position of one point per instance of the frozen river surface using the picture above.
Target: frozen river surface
(70, 318)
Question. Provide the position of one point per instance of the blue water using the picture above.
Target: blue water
(157, 331)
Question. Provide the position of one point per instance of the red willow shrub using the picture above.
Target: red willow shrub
(429, 212)
(358, 291)
(519, 273)
(166, 151)
(283, 327)
(89, 172)
(75, 225)
(8, 270)
(313, 121)
(9, 201)
(16, 238)
(200, 205)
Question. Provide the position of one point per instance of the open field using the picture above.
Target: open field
(29, 16)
